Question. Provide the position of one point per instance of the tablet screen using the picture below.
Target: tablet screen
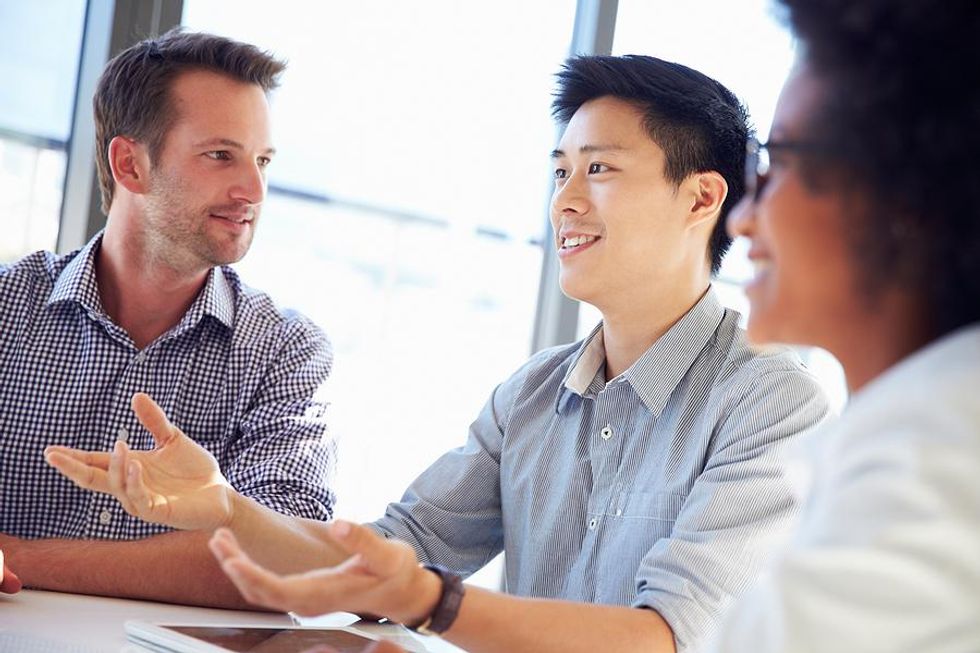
(274, 640)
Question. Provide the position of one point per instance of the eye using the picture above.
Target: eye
(560, 173)
(596, 168)
(264, 161)
(219, 155)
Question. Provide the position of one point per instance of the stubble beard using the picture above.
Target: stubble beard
(177, 234)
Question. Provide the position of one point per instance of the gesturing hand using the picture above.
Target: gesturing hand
(380, 577)
(178, 483)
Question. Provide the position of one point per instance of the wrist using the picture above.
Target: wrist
(424, 592)
(234, 508)
(442, 617)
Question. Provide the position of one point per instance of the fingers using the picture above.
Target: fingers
(140, 498)
(9, 583)
(117, 475)
(224, 545)
(380, 556)
(384, 647)
(256, 584)
(301, 593)
(350, 586)
(153, 419)
(88, 477)
(98, 459)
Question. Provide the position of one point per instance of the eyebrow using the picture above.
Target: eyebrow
(227, 142)
(611, 147)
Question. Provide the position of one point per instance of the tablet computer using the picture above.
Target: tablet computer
(213, 638)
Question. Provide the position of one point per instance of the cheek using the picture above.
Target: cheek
(810, 242)
(812, 280)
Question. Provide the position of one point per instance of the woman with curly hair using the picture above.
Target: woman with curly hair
(866, 242)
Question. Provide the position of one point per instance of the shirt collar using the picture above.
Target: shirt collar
(77, 283)
(217, 299)
(655, 375)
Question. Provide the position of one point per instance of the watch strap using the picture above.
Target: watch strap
(447, 608)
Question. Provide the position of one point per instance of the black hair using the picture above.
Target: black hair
(900, 117)
(699, 124)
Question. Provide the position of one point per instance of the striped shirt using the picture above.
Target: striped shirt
(236, 374)
(661, 488)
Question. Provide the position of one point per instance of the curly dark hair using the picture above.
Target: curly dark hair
(698, 123)
(901, 115)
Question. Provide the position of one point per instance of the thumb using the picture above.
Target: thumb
(153, 419)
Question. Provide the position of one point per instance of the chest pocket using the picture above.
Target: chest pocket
(653, 506)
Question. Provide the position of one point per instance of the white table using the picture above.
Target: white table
(33, 621)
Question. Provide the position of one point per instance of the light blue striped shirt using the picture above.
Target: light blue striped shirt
(662, 488)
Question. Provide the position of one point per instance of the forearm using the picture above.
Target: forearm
(173, 568)
(282, 543)
(491, 622)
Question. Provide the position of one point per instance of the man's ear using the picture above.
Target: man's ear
(130, 164)
(708, 191)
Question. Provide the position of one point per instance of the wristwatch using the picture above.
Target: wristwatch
(444, 614)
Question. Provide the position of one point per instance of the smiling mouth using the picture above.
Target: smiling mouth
(577, 241)
(236, 219)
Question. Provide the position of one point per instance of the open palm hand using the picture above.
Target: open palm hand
(177, 483)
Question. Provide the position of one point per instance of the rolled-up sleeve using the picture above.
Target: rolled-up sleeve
(739, 509)
(284, 456)
(451, 513)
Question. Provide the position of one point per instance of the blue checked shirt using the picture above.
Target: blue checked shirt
(236, 375)
(662, 488)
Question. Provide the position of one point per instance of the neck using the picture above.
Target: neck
(141, 292)
(632, 328)
(870, 344)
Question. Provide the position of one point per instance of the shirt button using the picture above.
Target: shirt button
(593, 523)
(140, 357)
(606, 432)
(122, 434)
(105, 517)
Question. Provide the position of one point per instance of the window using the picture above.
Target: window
(39, 48)
(745, 47)
(407, 207)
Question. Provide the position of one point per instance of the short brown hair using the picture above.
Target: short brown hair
(133, 95)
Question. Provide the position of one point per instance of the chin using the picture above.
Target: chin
(577, 291)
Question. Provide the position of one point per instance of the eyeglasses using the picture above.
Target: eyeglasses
(757, 162)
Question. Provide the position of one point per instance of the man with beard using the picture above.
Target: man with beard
(149, 305)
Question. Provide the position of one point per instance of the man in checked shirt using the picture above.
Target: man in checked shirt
(633, 479)
(149, 305)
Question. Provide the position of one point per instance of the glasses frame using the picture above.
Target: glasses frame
(757, 162)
